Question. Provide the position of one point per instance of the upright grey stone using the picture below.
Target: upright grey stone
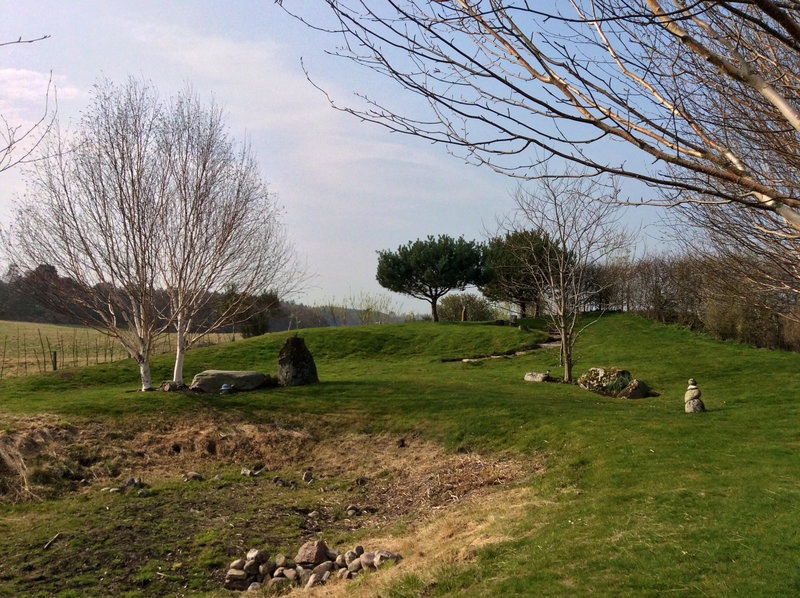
(296, 365)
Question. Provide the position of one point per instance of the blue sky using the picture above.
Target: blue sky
(348, 188)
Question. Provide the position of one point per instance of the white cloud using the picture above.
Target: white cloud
(26, 94)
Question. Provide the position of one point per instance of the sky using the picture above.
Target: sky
(348, 188)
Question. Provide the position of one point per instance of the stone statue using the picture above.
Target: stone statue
(691, 399)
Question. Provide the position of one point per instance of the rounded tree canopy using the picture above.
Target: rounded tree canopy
(428, 269)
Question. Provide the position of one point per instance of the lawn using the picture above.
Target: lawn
(611, 497)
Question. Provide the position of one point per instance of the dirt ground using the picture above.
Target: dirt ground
(448, 501)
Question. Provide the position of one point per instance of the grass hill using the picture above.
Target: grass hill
(489, 486)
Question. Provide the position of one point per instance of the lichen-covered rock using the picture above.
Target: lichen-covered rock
(323, 568)
(384, 556)
(349, 557)
(609, 379)
(367, 560)
(236, 579)
(265, 570)
(237, 564)
(694, 406)
(355, 565)
(259, 556)
(212, 380)
(296, 365)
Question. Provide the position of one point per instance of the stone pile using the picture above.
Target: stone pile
(313, 565)
(691, 399)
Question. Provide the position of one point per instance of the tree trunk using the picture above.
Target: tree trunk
(523, 309)
(180, 351)
(566, 354)
(434, 311)
(144, 371)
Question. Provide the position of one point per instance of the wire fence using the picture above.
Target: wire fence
(31, 349)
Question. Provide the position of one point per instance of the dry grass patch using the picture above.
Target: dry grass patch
(439, 540)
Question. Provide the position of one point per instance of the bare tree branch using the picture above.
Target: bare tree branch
(699, 98)
(18, 143)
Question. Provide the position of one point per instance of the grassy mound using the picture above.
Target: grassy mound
(489, 485)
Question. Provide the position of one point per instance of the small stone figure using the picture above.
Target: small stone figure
(691, 399)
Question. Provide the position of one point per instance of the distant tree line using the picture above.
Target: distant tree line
(520, 269)
(267, 312)
(703, 293)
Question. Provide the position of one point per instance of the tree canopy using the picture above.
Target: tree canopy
(515, 264)
(429, 269)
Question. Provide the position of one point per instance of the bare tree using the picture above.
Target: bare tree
(752, 256)
(579, 218)
(151, 200)
(704, 92)
(93, 211)
(227, 230)
(19, 142)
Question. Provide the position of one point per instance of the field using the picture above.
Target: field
(27, 348)
(489, 486)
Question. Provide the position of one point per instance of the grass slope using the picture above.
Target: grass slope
(638, 498)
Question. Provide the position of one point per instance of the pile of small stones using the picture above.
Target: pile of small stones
(313, 565)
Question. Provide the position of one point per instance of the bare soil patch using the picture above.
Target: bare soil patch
(388, 478)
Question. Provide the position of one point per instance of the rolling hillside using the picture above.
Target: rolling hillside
(489, 486)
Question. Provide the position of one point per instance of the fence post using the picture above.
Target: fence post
(55, 360)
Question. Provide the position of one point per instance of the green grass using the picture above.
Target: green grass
(638, 499)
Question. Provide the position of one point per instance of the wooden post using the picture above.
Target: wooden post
(55, 360)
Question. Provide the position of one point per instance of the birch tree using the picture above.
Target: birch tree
(578, 217)
(698, 100)
(152, 199)
(227, 230)
(93, 211)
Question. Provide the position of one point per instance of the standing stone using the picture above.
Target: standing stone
(296, 365)
(691, 400)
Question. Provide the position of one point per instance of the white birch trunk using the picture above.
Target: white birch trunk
(180, 351)
(144, 371)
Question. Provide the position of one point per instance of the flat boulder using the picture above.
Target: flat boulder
(212, 380)
(537, 377)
